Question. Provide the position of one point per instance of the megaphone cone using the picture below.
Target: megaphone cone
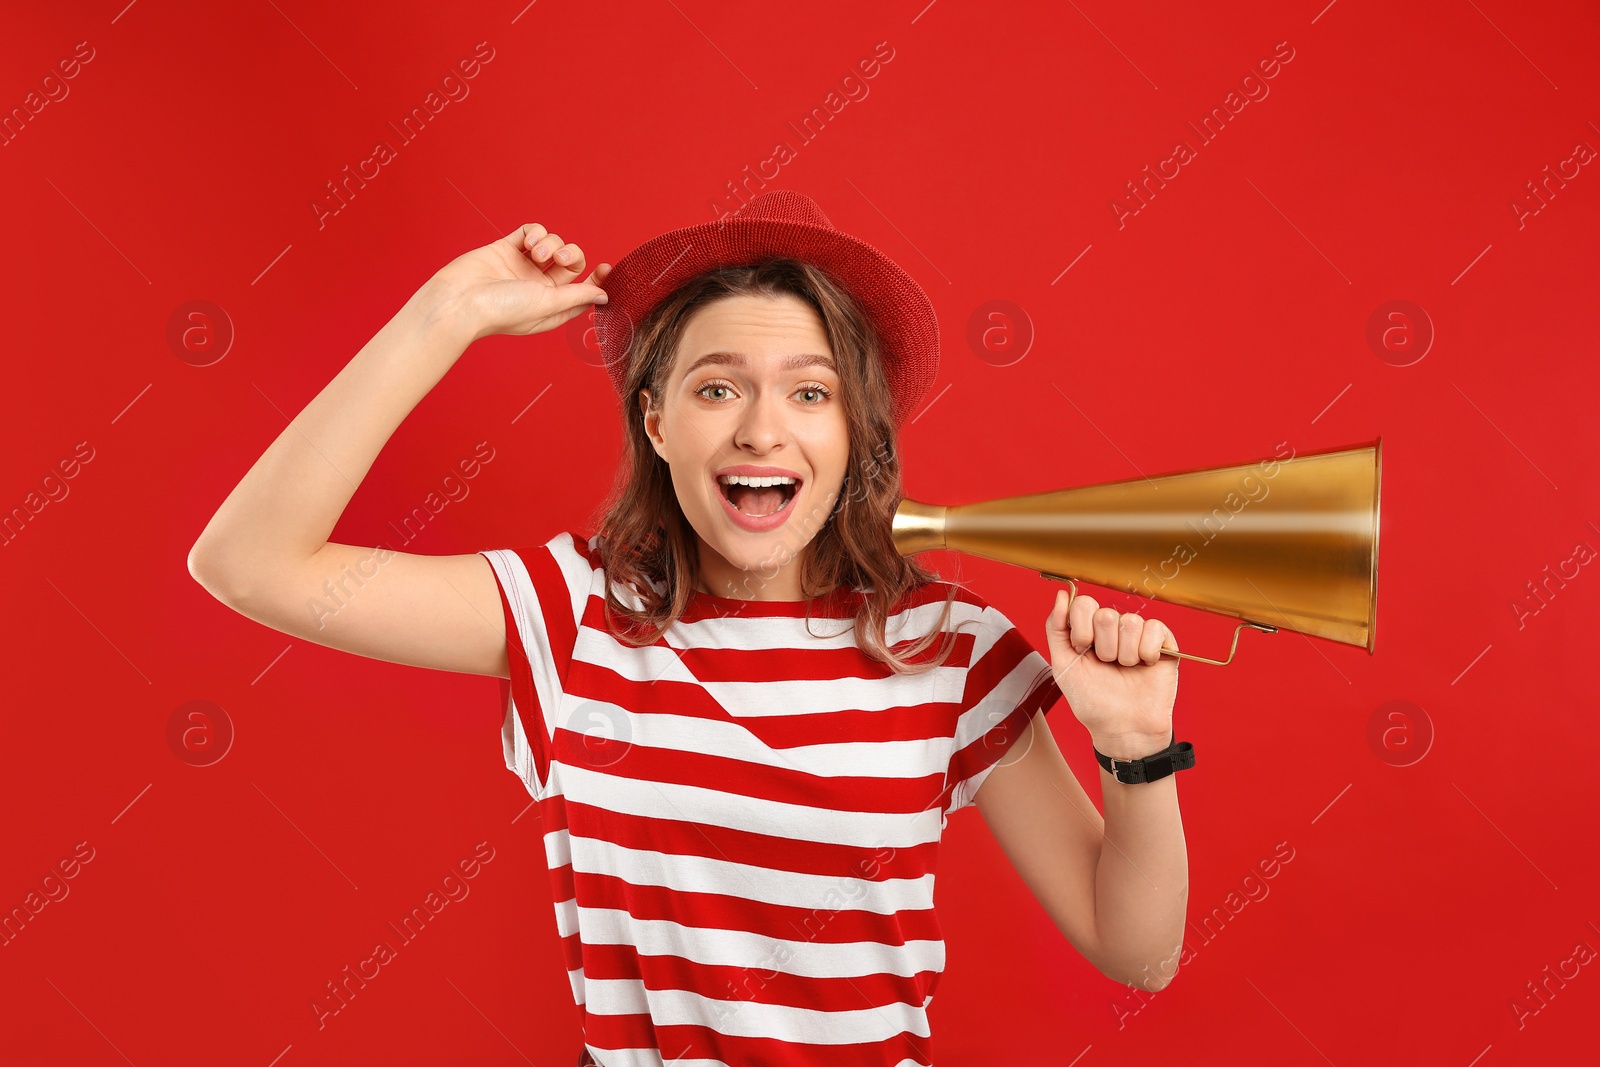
(1282, 543)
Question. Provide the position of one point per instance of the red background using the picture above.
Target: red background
(1226, 316)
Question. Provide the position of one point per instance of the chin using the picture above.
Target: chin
(758, 555)
(758, 558)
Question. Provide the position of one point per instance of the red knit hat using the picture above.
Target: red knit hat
(779, 223)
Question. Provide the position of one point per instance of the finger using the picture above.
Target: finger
(1055, 628)
(598, 275)
(524, 235)
(575, 297)
(1130, 629)
(1155, 637)
(566, 264)
(1081, 622)
(1056, 621)
(543, 248)
(1105, 634)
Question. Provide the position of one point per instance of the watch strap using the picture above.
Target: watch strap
(1175, 757)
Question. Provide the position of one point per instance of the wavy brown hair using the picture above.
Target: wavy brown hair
(649, 546)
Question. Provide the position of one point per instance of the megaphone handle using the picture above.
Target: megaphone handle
(1072, 591)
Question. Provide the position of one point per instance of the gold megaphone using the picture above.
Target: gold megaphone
(1283, 543)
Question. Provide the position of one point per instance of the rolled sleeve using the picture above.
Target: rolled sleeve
(542, 615)
(1008, 681)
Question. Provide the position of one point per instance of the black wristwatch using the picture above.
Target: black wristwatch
(1173, 758)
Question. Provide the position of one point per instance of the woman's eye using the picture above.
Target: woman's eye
(822, 394)
(711, 385)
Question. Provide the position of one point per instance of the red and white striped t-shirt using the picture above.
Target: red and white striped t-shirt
(742, 821)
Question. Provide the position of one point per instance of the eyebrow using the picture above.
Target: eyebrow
(791, 362)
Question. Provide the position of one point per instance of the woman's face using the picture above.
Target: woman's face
(753, 385)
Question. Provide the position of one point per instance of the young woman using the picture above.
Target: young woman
(745, 716)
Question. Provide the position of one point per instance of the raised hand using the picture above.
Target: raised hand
(524, 283)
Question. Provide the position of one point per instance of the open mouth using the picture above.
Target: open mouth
(758, 501)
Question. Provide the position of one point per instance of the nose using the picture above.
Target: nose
(762, 423)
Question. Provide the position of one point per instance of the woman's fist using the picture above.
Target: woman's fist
(1110, 668)
(522, 284)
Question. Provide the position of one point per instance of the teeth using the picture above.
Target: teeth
(745, 479)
